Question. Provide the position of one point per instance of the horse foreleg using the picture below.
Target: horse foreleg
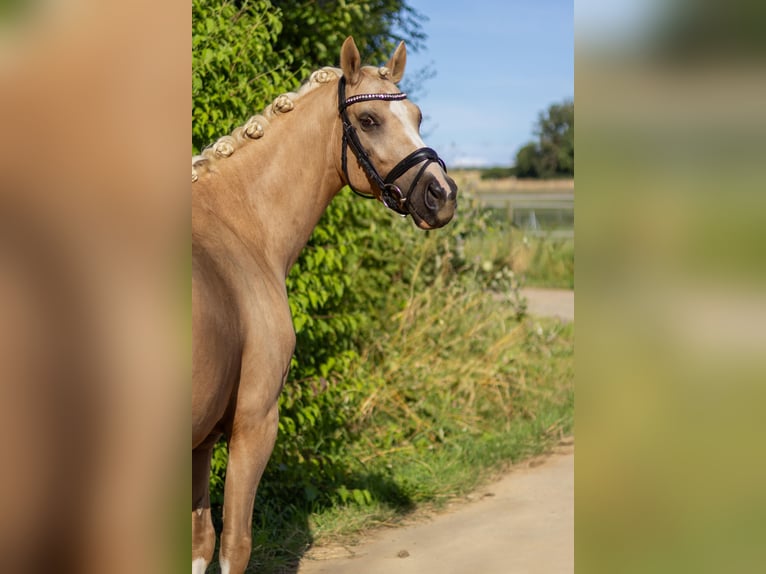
(203, 534)
(250, 447)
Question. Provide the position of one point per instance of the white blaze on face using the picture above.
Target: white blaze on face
(399, 109)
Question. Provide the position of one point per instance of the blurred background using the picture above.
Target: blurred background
(670, 363)
(94, 304)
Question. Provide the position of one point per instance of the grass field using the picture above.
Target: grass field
(541, 257)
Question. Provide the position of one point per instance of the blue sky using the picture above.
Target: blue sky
(498, 64)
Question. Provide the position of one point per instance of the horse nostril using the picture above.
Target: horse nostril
(434, 195)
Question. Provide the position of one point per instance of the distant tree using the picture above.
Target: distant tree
(313, 30)
(553, 153)
(556, 133)
(528, 161)
(498, 172)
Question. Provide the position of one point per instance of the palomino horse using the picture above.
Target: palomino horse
(256, 197)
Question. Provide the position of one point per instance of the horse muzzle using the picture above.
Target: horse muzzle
(433, 201)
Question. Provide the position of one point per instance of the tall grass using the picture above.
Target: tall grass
(465, 385)
(543, 262)
(537, 260)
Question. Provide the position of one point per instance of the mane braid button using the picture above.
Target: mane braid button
(224, 147)
(322, 76)
(282, 104)
(253, 129)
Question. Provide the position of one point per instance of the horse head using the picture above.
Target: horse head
(382, 129)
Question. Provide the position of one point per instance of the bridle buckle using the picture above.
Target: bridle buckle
(393, 198)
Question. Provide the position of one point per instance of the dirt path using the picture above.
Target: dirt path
(550, 302)
(521, 524)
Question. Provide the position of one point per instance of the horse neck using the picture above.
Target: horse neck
(280, 185)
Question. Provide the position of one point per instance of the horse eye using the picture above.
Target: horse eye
(367, 121)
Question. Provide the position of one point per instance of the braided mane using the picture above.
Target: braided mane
(255, 127)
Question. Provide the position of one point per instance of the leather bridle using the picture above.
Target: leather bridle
(390, 194)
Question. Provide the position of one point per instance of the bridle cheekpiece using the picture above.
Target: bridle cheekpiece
(390, 194)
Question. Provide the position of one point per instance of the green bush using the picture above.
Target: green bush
(236, 68)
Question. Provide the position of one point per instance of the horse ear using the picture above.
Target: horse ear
(397, 63)
(350, 61)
